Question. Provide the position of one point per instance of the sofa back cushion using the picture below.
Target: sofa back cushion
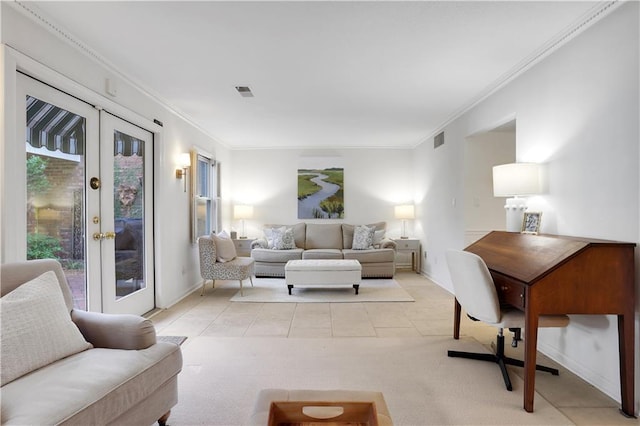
(36, 328)
(347, 233)
(323, 236)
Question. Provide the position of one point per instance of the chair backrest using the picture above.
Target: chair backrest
(473, 285)
(208, 255)
(13, 275)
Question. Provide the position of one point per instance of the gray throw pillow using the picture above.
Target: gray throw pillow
(363, 237)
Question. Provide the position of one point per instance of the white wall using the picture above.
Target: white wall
(483, 211)
(375, 181)
(577, 111)
(176, 258)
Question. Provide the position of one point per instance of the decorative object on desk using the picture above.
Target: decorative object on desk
(516, 180)
(321, 188)
(234, 235)
(405, 212)
(531, 222)
(184, 163)
(242, 212)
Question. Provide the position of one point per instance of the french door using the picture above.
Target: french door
(88, 178)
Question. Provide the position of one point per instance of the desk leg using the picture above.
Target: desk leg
(530, 348)
(626, 349)
(456, 320)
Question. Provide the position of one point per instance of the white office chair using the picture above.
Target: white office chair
(475, 291)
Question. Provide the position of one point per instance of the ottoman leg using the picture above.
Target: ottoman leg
(357, 287)
(290, 287)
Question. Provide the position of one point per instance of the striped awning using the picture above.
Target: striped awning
(56, 129)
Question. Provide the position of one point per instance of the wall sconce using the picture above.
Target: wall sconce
(405, 212)
(516, 180)
(185, 162)
(242, 212)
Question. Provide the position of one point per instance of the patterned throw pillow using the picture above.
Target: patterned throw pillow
(269, 234)
(283, 239)
(363, 237)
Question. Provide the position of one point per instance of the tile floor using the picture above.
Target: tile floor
(431, 314)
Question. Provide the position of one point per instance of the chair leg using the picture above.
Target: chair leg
(251, 279)
(162, 421)
(241, 293)
(204, 283)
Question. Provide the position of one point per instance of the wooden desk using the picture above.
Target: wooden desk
(550, 274)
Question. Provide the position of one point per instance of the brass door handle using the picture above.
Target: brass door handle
(109, 235)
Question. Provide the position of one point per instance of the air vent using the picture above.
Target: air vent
(245, 91)
(438, 140)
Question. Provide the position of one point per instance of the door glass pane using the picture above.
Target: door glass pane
(55, 141)
(128, 206)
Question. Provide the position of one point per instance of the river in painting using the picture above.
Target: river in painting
(309, 207)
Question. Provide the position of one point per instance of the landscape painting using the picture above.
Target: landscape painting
(321, 188)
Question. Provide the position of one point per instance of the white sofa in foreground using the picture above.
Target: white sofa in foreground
(65, 366)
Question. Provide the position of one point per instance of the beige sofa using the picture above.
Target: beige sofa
(325, 241)
(66, 366)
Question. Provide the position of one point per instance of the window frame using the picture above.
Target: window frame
(211, 200)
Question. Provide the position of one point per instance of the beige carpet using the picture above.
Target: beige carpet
(221, 379)
(275, 290)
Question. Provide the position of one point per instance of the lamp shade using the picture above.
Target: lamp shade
(516, 179)
(406, 211)
(242, 211)
(185, 160)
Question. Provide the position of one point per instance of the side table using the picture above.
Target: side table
(243, 246)
(408, 247)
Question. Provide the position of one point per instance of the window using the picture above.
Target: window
(205, 196)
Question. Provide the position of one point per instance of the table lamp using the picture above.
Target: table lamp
(242, 212)
(516, 180)
(405, 212)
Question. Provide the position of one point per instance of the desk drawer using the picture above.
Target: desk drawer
(510, 291)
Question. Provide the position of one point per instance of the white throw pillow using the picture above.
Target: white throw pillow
(283, 239)
(363, 237)
(225, 249)
(36, 328)
(269, 234)
(378, 236)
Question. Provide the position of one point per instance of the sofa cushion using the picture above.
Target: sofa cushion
(36, 328)
(90, 388)
(370, 256)
(225, 249)
(276, 256)
(322, 254)
(347, 232)
(363, 238)
(323, 236)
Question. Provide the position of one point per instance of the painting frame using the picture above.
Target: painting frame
(531, 223)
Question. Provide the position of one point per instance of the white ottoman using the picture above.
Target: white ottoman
(323, 272)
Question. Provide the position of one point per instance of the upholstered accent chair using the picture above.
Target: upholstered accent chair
(239, 268)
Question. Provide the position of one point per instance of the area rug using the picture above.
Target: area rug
(178, 340)
(275, 290)
(222, 377)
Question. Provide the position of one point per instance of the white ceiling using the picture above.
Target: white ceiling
(324, 74)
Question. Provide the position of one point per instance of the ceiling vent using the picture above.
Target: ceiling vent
(438, 140)
(245, 91)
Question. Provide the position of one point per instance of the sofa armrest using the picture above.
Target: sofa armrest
(115, 331)
(388, 243)
(259, 243)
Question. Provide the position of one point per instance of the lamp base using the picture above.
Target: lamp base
(515, 208)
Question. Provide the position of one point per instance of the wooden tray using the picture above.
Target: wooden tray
(311, 413)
